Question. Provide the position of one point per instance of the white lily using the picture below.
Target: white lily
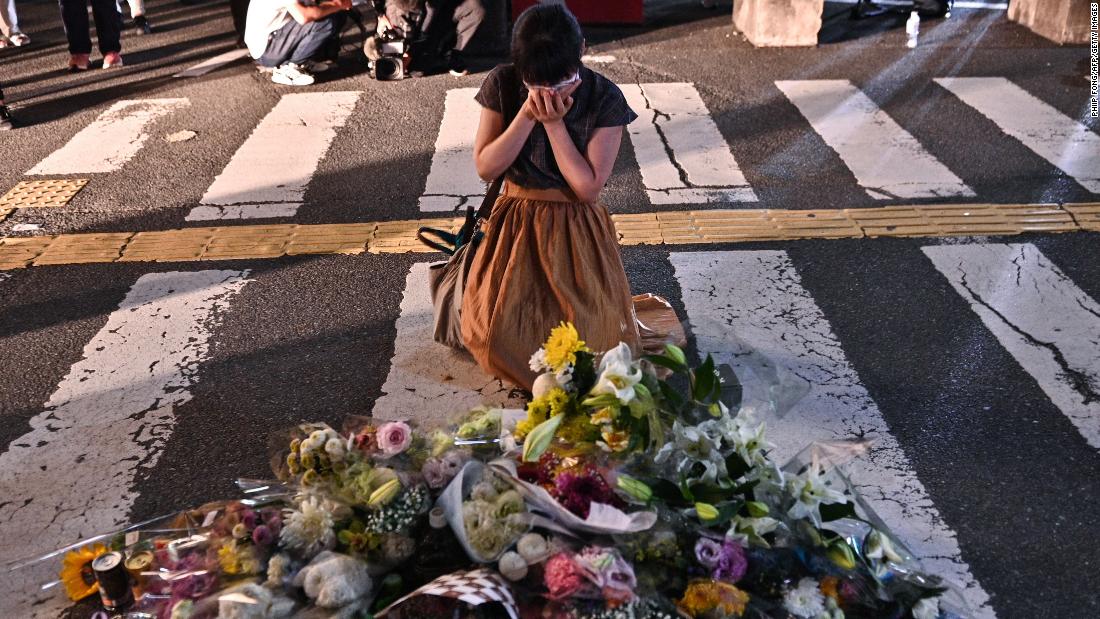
(745, 529)
(810, 490)
(694, 446)
(618, 374)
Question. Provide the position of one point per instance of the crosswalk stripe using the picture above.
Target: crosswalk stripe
(1049, 325)
(210, 64)
(1066, 143)
(887, 161)
(429, 380)
(756, 298)
(110, 140)
(683, 157)
(269, 173)
(452, 180)
(109, 417)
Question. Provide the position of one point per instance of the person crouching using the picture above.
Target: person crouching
(289, 37)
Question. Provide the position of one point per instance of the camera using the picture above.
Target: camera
(389, 53)
(391, 49)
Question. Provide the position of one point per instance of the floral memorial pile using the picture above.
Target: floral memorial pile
(627, 488)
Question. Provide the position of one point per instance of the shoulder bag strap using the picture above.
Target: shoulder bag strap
(509, 103)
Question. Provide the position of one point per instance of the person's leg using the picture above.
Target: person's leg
(239, 10)
(74, 16)
(137, 13)
(305, 41)
(467, 19)
(6, 121)
(108, 25)
(9, 23)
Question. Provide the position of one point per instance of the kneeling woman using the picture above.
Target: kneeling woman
(550, 252)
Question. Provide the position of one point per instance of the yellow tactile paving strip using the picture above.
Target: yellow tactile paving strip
(672, 228)
(42, 193)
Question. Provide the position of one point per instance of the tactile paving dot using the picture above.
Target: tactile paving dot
(42, 193)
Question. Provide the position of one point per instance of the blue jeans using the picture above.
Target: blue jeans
(298, 43)
(108, 25)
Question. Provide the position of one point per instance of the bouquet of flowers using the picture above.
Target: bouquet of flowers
(631, 486)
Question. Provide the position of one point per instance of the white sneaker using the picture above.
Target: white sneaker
(290, 74)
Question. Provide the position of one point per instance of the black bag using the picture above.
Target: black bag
(932, 8)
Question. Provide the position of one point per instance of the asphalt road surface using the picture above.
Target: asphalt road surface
(131, 390)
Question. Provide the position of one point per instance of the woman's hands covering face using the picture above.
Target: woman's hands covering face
(547, 105)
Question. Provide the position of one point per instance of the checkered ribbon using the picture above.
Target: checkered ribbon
(474, 587)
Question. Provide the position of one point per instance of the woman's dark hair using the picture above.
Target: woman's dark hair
(546, 44)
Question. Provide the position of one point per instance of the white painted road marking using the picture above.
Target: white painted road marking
(110, 141)
(71, 476)
(1048, 324)
(756, 297)
(210, 64)
(1061, 140)
(886, 160)
(269, 173)
(429, 382)
(683, 157)
(452, 180)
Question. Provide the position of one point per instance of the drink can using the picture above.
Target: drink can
(114, 582)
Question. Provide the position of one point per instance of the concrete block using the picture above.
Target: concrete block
(1061, 21)
(779, 23)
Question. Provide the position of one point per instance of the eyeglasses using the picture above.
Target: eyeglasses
(560, 86)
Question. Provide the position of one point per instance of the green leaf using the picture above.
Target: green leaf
(672, 397)
(538, 440)
(665, 362)
(836, 511)
(601, 401)
(709, 493)
(665, 490)
(736, 466)
(703, 381)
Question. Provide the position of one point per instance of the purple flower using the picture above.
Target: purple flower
(262, 536)
(192, 579)
(577, 491)
(452, 463)
(732, 562)
(433, 473)
(248, 517)
(707, 552)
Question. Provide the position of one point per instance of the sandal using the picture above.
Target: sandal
(19, 39)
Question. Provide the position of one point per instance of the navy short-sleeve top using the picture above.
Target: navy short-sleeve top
(597, 102)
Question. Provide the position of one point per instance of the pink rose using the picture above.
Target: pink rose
(393, 438)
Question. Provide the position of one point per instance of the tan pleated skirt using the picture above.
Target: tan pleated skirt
(547, 258)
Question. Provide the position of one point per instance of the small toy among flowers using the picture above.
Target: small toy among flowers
(629, 487)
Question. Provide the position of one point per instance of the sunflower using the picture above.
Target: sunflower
(563, 345)
(76, 571)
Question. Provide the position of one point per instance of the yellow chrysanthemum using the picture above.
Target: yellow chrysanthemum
(76, 571)
(563, 345)
(538, 411)
(577, 429)
(558, 400)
